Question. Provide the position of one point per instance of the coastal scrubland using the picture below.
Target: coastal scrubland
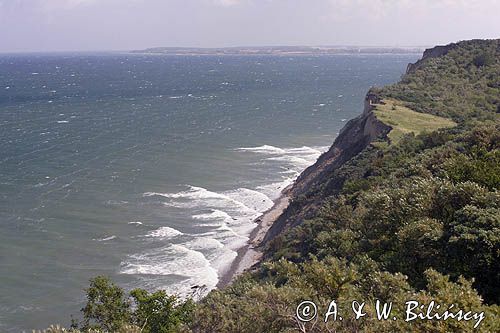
(414, 216)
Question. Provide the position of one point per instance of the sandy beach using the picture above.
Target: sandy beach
(251, 253)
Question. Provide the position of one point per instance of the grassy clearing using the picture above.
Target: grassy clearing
(404, 120)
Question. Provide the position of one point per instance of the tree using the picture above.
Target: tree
(484, 59)
(473, 248)
(158, 312)
(107, 306)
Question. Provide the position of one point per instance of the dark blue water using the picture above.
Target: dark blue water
(151, 169)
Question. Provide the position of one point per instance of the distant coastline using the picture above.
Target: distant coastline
(281, 50)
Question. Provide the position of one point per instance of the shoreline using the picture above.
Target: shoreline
(251, 253)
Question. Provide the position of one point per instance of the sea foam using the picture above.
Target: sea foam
(190, 265)
(227, 218)
(164, 232)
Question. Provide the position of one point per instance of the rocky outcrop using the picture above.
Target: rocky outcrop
(356, 135)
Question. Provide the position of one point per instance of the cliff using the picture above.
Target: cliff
(355, 136)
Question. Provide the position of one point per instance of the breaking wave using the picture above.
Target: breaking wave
(221, 222)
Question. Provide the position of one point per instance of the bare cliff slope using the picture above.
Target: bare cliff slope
(355, 136)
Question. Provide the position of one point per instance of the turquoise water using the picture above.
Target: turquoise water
(151, 169)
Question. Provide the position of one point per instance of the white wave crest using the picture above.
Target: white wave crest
(265, 149)
(106, 238)
(201, 198)
(304, 150)
(273, 190)
(174, 260)
(164, 232)
(213, 215)
(227, 217)
(296, 157)
(292, 160)
(255, 200)
(204, 243)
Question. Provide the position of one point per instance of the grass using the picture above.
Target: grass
(404, 120)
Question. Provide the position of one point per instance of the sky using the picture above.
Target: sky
(93, 25)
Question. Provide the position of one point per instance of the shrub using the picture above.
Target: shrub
(107, 306)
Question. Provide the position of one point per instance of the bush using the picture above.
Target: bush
(484, 59)
(109, 309)
(158, 312)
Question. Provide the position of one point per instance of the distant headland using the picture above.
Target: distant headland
(281, 50)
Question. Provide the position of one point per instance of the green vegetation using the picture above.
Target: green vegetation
(404, 121)
(484, 59)
(413, 208)
(417, 219)
(458, 85)
(108, 309)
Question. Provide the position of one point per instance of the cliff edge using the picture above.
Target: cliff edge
(435, 52)
(355, 136)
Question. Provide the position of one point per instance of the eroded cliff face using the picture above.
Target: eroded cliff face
(353, 138)
(356, 135)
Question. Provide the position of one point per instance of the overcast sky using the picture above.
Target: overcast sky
(69, 25)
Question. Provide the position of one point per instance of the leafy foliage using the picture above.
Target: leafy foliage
(108, 309)
(410, 219)
(463, 84)
(158, 312)
(266, 301)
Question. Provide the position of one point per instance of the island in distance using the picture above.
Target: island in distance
(281, 50)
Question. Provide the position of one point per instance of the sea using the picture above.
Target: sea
(151, 169)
